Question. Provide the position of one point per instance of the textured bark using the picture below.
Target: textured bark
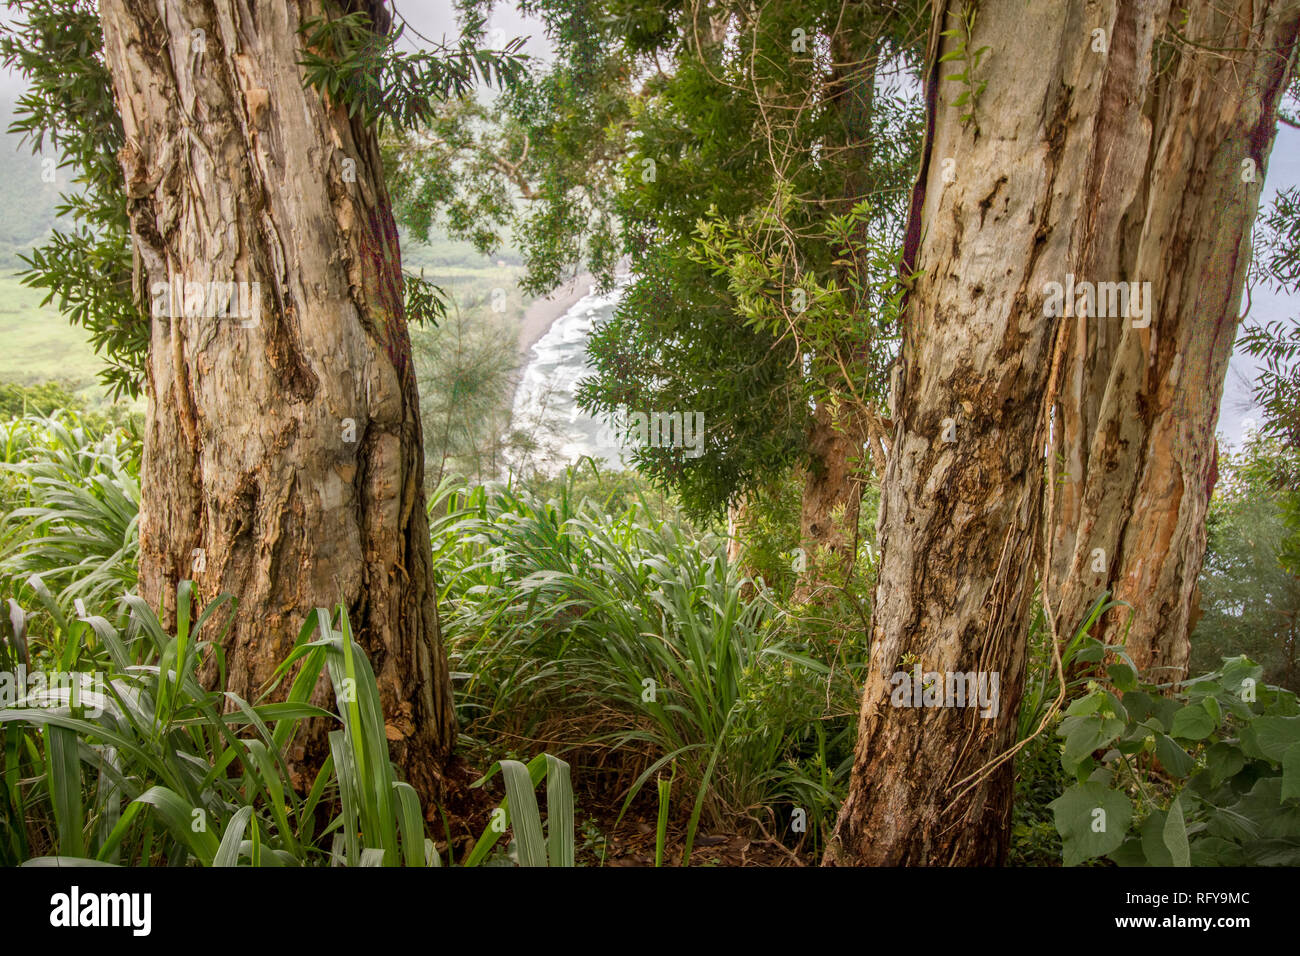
(1137, 450)
(959, 518)
(737, 516)
(285, 451)
(832, 501)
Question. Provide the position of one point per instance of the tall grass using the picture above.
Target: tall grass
(70, 497)
(593, 624)
(632, 633)
(152, 768)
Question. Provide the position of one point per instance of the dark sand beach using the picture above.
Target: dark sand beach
(542, 313)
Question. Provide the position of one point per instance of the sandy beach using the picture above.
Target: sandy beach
(542, 313)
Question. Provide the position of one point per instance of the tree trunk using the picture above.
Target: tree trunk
(832, 495)
(998, 212)
(283, 459)
(737, 516)
(832, 501)
(1137, 421)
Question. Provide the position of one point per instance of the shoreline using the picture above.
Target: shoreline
(541, 314)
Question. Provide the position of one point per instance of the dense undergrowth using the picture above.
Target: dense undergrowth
(591, 625)
(626, 632)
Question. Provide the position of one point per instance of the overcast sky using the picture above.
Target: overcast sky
(436, 19)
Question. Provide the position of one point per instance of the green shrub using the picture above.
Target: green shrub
(70, 495)
(1207, 777)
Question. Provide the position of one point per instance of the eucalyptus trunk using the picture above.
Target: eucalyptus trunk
(1037, 174)
(1137, 456)
(283, 460)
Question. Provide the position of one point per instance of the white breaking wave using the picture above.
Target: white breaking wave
(558, 362)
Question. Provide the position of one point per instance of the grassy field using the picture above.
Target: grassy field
(39, 344)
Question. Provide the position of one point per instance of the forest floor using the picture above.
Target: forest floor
(605, 835)
(632, 843)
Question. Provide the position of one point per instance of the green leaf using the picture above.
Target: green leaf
(1091, 654)
(410, 824)
(559, 813)
(1267, 812)
(64, 776)
(1093, 820)
(525, 818)
(1164, 710)
(1215, 851)
(180, 818)
(1175, 834)
(1271, 853)
(1141, 706)
(1211, 706)
(1123, 676)
(1276, 735)
(488, 838)
(1130, 853)
(228, 852)
(1085, 705)
(1236, 671)
(1154, 851)
(1291, 772)
(64, 861)
(1085, 735)
(1222, 761)
(1192, 723)
(1174, 758)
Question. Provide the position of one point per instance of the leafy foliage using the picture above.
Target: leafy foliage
(353, 61)
(1207, 777)
(1250, 581)
(1277, 342)
(650, 123)
(45, 398)
(85, 269)
(70, 495)
(470, 367)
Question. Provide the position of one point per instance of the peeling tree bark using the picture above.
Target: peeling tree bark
(283, 460)
(1137, 459)
(960, 499)
(832, 502)
(1045, 181)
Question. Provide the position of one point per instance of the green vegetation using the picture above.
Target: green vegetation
(579, 625)
(1250, 584)
(679, 699)
(586, 617)
(70, 495)
(141, 765)
(1208, 777)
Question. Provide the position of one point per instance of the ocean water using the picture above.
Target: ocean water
(545, 401)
